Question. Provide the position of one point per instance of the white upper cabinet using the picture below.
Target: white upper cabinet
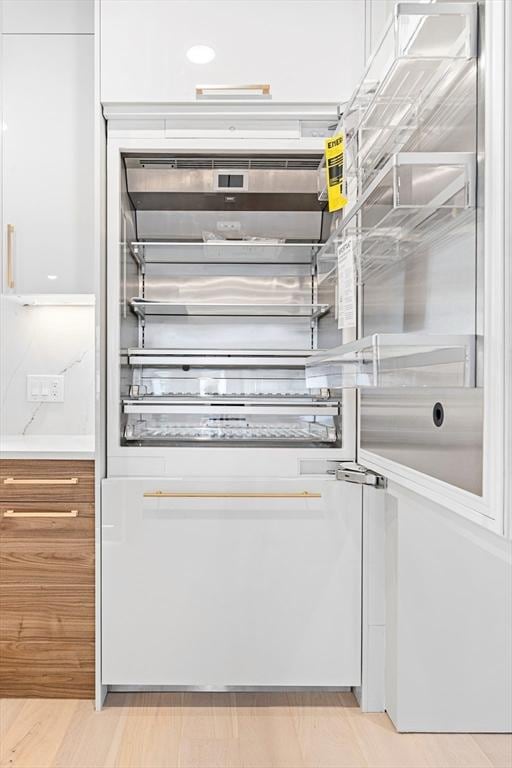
(45, 16)
(48, 194)
(307, 51)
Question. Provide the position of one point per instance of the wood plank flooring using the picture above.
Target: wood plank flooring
(164, 730)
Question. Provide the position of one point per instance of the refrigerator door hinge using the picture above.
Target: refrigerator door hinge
(355, 473)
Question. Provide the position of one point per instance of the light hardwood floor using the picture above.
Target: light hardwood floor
(161, 730)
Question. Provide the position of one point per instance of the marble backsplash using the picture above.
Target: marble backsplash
(46, 340)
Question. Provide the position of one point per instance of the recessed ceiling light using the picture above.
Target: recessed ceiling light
(200, 54)
(52, 277)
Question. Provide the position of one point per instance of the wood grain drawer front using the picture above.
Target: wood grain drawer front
(42, 521)
(40, 669)
(46, 612)
(35, 560)
(64, 481)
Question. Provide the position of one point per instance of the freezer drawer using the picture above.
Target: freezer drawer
(231, 583)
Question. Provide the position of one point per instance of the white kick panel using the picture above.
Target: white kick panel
(258, 589)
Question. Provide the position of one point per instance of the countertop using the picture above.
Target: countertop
(47, 447)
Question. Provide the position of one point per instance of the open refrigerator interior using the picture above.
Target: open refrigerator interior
(222, 302)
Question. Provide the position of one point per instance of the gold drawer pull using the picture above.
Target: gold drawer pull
(263, 87)
(228, 495)
(31, 481)
(10, 255)
(29, 513)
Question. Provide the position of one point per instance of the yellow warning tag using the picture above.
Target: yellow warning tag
(334, 151)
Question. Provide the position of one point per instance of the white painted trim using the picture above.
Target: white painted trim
(495, 218)
(371, 693)
(100, 338)
(508, 272)
(135, 112)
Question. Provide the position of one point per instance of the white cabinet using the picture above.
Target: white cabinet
(48, 87)
(47, 16)
(309, 51)
(448, 620)
(231, 582)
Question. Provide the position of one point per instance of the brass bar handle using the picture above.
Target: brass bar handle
(32, 481)
(10, 255)
(33, 513)
(228, 495)
(263, 87)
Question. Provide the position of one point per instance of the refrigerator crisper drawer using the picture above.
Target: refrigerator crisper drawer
(231, 583)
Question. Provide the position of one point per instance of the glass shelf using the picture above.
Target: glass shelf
(416, 198)
(254, 398)
(145, 308)
(160, 429)
(225, 358)
(223, 252)
(225, 406)
(425, 48)
(396, 360)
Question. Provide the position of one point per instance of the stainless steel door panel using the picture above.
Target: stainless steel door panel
(433, 291)
(399, 426)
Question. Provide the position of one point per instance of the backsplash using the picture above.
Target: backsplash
(46, 340)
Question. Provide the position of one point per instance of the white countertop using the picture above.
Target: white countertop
(47, 446)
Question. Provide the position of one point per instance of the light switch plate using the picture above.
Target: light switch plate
(42, 388)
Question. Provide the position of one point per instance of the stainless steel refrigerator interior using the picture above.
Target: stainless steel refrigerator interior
(223, 301)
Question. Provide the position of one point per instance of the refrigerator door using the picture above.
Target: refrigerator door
(407, 256)
(231, 583)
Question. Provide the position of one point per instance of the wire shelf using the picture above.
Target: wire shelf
(228, 431)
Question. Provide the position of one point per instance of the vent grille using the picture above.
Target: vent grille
(238, 163)
(224, 163)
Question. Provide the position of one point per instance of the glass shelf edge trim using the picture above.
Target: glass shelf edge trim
(184, 308)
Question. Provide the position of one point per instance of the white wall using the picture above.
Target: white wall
(46, 340)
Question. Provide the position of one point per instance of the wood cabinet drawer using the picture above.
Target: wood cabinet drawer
(42, 521)
(46, 612)
(26, 560)
(46, 481)
(47, 578)
(47, 669)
